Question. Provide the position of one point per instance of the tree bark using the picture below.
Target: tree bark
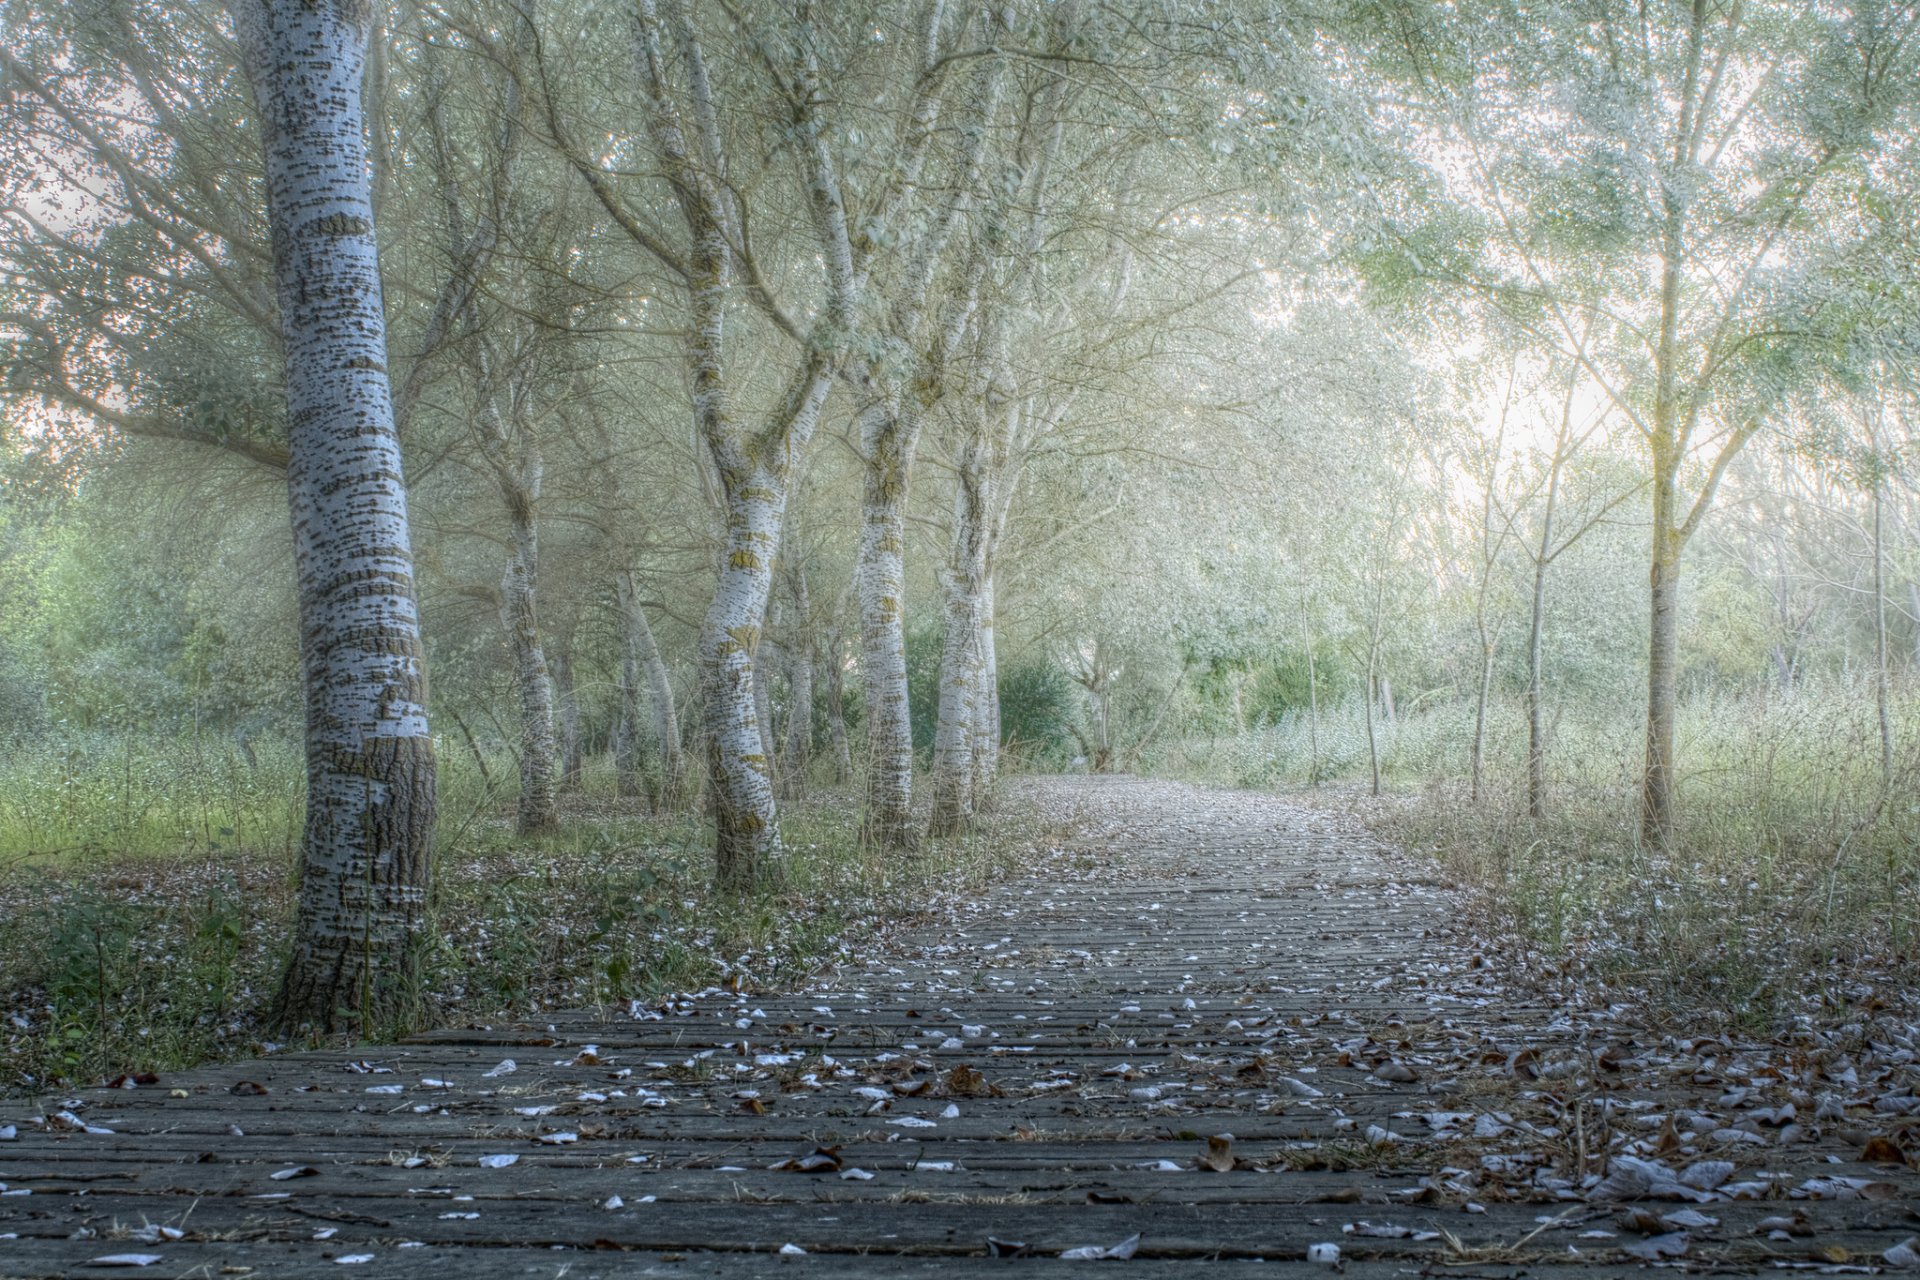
(797, 751)
(1480, 712)
(1656, 822)
(1373, 742)
(1536, 627)
(837, 713)
(1313, 706)
(747, 847)
(629, 777)
(887, 444)
(1667, 444)
(1882, 696)
(370, 765)
(962, 654)
(567, 702)
(539, 812)
(986, 702)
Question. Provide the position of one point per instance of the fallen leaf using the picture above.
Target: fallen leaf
(246, 1089)
(1108, 1253)
(1882, 1150)
(1219, 1155)
(1672, 1245)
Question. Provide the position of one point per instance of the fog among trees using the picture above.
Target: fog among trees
(725, 440)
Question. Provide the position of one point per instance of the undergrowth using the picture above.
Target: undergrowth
(148, 960)
(1792, 887)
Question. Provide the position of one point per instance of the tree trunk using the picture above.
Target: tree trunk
(962, 655)
(986, 702)
(568, 703)
(1881, 693)
(888, 451)
(768, 659)
(836, 713)
(1373, 743)
(1536, 728)
(1480, 712)
(630, 778)
(747, 847)
(797, 752)
(370, 767)
(1313, 707)
(539, 811)
(1656, 811)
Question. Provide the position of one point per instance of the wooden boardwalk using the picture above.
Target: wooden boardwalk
(1054, 1071)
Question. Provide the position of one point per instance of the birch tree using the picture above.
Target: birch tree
(370, 763)
(1663, 190)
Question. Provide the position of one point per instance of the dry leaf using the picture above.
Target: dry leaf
(1219, 1155)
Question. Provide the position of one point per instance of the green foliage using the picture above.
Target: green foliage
(1036, 699)
(117, 963)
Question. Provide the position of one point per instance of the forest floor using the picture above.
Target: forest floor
(1210, 1026)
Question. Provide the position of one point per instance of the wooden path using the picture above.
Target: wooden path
(1055, 1071)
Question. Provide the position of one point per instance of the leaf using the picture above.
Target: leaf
(966, 1082)
(1109, 1253)
(297, 1171)
(1007, 1248)
(1882, 1150)
(125, 1260)
(247, 1089)
(1672, 1245)
(1904, 1255)
(1396, 1073)
(498, 1162)
(1378, 1230)
(819, 1160)
(1219, 1155)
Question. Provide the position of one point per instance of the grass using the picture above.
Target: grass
(164, 951)
(1792, 886)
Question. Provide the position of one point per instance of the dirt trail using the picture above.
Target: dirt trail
(1222, 1023)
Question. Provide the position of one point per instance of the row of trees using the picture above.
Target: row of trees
(1225, 328)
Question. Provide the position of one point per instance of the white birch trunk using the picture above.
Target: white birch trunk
(538, 812)
(986, 721)
(887, 443)
(748, 842)
(797, 751)
(370, 764)
(962, 657)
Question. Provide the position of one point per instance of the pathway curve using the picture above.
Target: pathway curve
(1216, 1027)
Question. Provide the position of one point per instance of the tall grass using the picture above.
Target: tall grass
(148, 893)
(1793, 881)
